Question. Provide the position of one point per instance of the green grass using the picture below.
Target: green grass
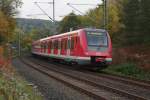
(12, 86)
(15, 88)
(130, 70)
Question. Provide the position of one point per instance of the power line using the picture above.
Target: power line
(34, 14)
(36, 3)
(105, 11)
(75, 8)
(45, 2)
(52, 19)
(70, 5)
(84, 4)
(69, 15)
(53, 10)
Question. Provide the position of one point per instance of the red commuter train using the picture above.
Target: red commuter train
(84, 47)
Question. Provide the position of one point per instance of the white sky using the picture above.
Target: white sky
(61, 9)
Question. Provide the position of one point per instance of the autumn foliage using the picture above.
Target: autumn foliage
(7, 22)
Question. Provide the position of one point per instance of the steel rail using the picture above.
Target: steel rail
(129, 80)
(66, 81)
(110, 88)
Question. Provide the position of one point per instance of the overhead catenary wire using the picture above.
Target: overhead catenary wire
(45, 2)
(36, 3)
(70, 5)
(84, 4)
(105, 11)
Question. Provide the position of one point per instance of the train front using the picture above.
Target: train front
(98, 47)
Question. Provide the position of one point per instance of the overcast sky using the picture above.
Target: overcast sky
(29, 9)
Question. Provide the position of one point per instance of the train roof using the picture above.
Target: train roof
(93, 29)
(69, 33)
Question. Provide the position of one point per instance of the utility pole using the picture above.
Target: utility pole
(54, 16)
(54, 11)
(105, 13)
(19, 42)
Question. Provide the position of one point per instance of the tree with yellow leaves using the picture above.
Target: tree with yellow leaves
(7, 22)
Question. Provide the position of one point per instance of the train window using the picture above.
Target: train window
(72, 43)
(69, 43)
(61, 44)
(65, 44)
(46, 44)
(50, 45)
(56, 44)
(97, 39)
(41, 45)
(44, 47)
(75, 40)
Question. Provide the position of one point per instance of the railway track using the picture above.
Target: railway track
(127, 80)
(97, 86)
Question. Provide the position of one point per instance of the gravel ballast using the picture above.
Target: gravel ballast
(49, 87)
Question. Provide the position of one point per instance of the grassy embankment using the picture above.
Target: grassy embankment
(132, 59)
(12, 86)
(129, 70)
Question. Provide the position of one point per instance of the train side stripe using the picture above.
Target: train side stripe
(62, 56)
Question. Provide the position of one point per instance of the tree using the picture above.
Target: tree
(145, 16)
(4, 26)
(95, 18)
(8, 7)
(7, 22)
(132, 15)
(70, 21)
(114, 17)
(137, 21)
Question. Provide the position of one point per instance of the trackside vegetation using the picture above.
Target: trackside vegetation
(130, 70)
(13, 87)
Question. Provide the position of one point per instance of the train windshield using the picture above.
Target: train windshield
(97, 41)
